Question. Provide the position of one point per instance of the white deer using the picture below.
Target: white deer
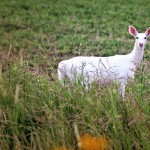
(118, 68)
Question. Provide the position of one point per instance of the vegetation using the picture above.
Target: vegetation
(36, 111)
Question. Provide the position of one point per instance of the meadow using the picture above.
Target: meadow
(36, 111)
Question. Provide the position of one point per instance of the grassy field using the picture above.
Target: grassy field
(36, 111)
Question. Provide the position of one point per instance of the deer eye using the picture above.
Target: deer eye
(137, 37)
(144, 37)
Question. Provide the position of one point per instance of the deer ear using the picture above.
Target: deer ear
(147, 32)
(132, 31)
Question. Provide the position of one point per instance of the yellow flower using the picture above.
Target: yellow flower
(61, 148)
(87, 142)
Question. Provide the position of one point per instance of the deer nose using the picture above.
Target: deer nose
(141, 44)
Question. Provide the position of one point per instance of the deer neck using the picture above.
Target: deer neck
(137, 54)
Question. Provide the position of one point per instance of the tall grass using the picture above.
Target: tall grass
(40, 114)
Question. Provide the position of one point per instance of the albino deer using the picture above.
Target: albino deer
(118, 68)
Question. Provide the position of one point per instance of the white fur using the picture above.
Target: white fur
(118, 68)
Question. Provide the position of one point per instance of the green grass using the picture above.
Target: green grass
(35, 36)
